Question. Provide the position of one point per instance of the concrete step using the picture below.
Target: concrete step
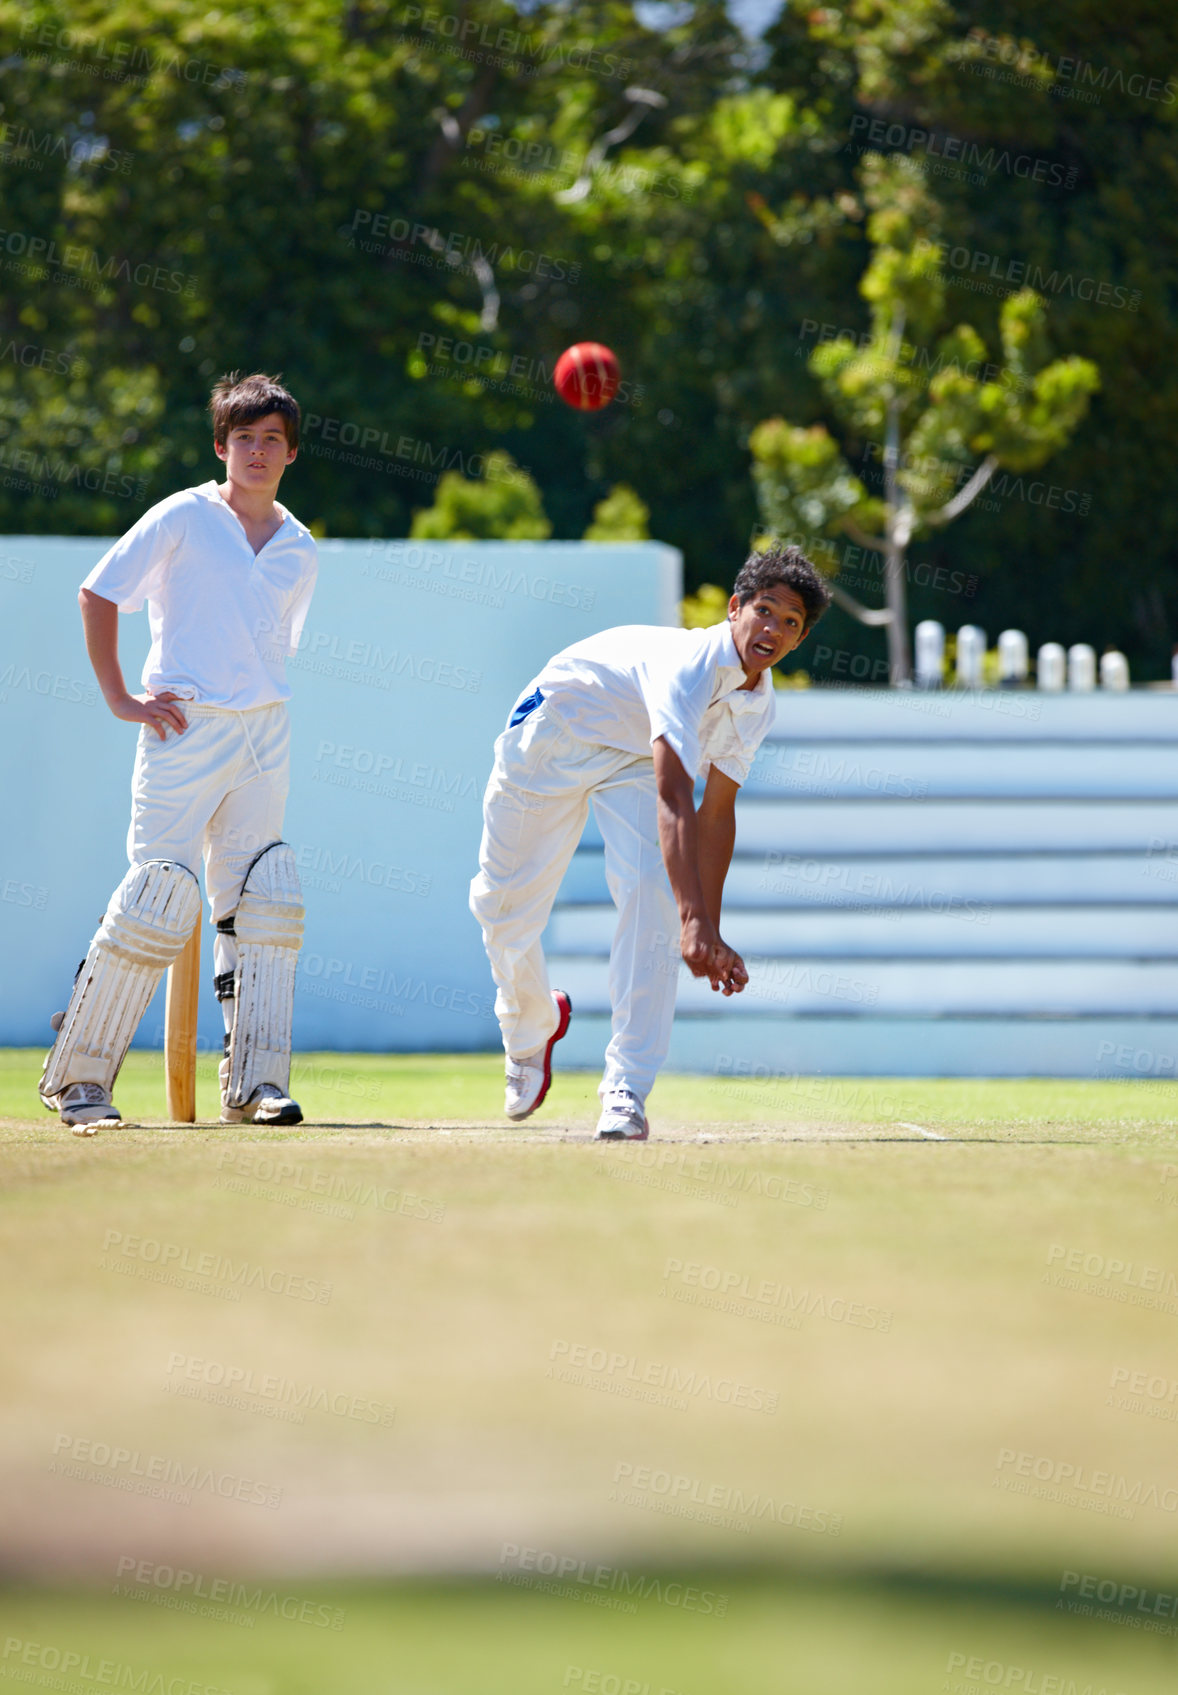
(788, 880)
(875, 988)
(863, 715)
(912, 770)
(948, 826)
(776, 1064)
(948, 885)
(958, 930)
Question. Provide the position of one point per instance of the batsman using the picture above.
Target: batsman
(226, 574)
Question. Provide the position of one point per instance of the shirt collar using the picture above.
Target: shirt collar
(212, 491)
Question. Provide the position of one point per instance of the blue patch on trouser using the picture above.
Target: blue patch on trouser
(525, 708)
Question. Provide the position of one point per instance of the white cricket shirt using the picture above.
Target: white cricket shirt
(222, 619)
(628, 686)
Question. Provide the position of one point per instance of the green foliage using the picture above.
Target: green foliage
(190, 190)
(946, 414)
(940, 424)
(903, 279)
(707, 606)
(503, 505)
(1022, 417)
(804, 486)
(621, 516)
(275, 166)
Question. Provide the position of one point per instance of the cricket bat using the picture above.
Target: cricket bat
(180, 1031)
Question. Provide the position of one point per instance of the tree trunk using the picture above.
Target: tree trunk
(899, 534)
(899, 655)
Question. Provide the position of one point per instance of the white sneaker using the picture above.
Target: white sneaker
(267, 1105)
(86, 1106)
(529, 1079)
(622, 1118)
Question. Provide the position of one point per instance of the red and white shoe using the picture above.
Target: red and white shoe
(528, 1080)
(622, 1118)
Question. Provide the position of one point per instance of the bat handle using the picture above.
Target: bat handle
(180, 1031)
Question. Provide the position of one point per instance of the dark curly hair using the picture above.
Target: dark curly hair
(789, 567)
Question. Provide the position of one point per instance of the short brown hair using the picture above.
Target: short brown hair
(242, 400)
(789, 567)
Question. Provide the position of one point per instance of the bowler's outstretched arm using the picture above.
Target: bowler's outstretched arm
(696, 888)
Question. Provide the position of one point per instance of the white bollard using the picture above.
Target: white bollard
(971, 651)
(1051, 667)
(1114, 670)
(1081, 668)
(930, 654)
(1013, 660)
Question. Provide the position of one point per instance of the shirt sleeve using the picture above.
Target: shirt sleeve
(301, 604)
(736, 767)
(676, 700)
(129, 571)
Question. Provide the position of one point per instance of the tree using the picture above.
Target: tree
(1050, 155)
(934, 413)
(504, 504)
(316, 190)
(707, 606)
(621, 516)
(411, 228)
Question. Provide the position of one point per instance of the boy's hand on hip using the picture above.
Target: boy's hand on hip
(706, 955)
(154, 709)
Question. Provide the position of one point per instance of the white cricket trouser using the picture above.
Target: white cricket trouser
(217, 790)
(534, 810)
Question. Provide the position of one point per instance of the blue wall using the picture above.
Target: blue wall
(412, 657)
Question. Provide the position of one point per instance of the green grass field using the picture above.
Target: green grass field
(887, 1368)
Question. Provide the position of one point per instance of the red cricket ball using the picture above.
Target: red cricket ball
(586, 376)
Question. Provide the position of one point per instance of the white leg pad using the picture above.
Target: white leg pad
(151, 915)
(269, 928)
